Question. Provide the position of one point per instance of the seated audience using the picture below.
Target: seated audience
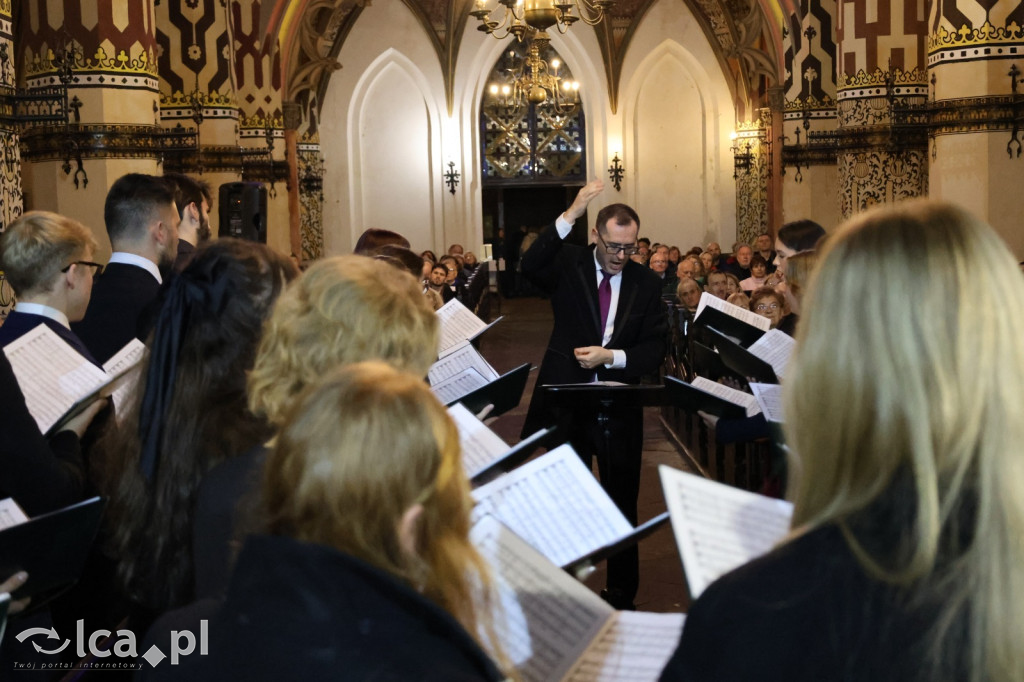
(689, 292)
(674, 256)
(718, 283)
(769, 303)
(706, 259)
(904, 560)
(47, 258)
(364, 569)
(732, 284)
(374, 238)
(739, 299)
(763, 248)
(659, 266)
(739, 263)
(188, 414)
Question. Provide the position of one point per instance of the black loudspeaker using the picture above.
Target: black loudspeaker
(243, 211)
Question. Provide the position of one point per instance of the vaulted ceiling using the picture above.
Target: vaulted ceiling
(745, 34)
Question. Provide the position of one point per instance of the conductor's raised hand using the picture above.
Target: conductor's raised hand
(584, 197)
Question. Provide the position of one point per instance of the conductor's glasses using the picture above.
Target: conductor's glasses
(612, 249)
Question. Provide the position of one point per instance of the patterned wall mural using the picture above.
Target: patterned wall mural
(10, 163)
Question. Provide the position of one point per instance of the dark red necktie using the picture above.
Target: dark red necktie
(604, 298)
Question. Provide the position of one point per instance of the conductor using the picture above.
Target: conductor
(609, 326)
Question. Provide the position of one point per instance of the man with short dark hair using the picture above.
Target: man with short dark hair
(609, 325)
(142, 222)
(192, 199)
(716, 254)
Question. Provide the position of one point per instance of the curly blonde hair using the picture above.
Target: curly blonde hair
(342, 310)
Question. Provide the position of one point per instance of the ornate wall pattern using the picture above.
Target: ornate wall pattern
(874, 177)
(114, 41)
(752, 181)
(973, 30)
(884, 34)
(311, 197)
(10, 164)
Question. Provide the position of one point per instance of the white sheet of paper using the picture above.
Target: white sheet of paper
(636, 648)
(556, 505)
(753, 319)
(775, 348)
(458, 323)
(125, 360)
(459, 385)
(547, 619)
(718, 527)
(744, 400)
(769, 399)
(51, 374)
(11, 514)
(481, 447)
(458, 361)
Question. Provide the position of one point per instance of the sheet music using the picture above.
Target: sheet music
(123, 361)
(458, 323)
(753, 319)
(51, 374)
(769, 399)
(481, 447)
(636, 647)
(744, 400)
(11, 514)
(556, 505)
(775, 348)
(547, 619)
(718, 527)
(460, 360)
(458, 386)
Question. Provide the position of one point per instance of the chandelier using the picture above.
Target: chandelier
(539, 14)
(535, 81)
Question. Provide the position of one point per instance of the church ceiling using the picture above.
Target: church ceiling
(743, 33)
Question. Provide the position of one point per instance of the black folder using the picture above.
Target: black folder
(596, 395)
(707, 363)
(504, 393)
(581, 567)
(52, 547)
(729, 325)
(516, 455)
(690, 399)
(742, 361)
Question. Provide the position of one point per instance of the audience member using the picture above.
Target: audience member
(674, 256)
(689, 292)
(799, 268)
(47, 258)
(904, 546)
(718, 284)
(739, 263)
(373, 238)
(685, 270)
(758, 274)
(739, 299)
(716, 254)
(659, 266)
(732, 284)
(142, 222)
(706, 261)
(455, 249)
(771, 304)
(699, 273)
(763, 248)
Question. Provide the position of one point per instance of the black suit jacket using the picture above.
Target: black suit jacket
(120, 301)
(568, 274)
(18, 324)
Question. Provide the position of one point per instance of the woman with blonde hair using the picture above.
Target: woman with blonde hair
(906, 560)
(365, 570)
(342, 310)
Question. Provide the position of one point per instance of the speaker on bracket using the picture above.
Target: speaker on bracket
(243, 211)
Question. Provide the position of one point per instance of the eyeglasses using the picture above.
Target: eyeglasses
(612, 249)
(761, 307)
(96, 273)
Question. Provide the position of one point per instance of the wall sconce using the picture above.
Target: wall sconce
(615, 172)
(451, 177)
(741, 156)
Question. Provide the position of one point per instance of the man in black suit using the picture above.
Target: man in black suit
(609, 326)
(47, 258)
(142, 222)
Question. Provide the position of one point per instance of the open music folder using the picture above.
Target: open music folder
(484, 454)
(554, 628)
(58, 383)
(736, 322)
(458, 324)
(766, 359)
(709, 396)
(718, 527)
(555, 504)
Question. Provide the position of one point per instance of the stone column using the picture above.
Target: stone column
(809, 154)
(104, 53)
(881, 140)
(976, 67)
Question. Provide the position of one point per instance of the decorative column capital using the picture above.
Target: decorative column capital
(292, 115)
